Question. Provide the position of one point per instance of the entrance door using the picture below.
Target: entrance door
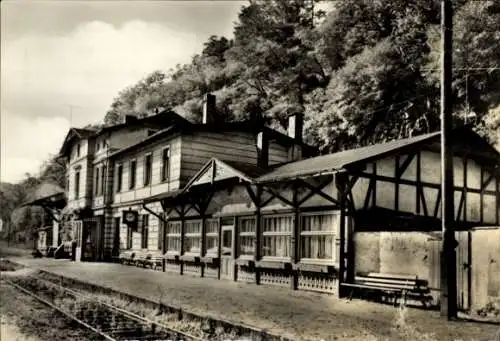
(77, 228)
(463, 270)
(227, 252)
(89, 237)
(463, 279)
(116, 238)
(91, 246)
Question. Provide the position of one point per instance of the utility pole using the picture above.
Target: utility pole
(448, 256)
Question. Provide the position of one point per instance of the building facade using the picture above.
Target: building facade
(242, 202)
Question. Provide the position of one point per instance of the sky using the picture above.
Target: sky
(63, 62)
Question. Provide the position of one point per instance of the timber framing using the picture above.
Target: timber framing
(393, 187)
(414, 183)
(160, 217)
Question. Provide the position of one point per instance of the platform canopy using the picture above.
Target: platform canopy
(464, 141)
(48, 195)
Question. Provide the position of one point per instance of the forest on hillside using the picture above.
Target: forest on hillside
(366, 71)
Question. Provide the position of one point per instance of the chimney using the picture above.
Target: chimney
(130, 119)
(209, 109)
(262, 150)
(295, 125)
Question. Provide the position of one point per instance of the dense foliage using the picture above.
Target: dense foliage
(366, 71)
(20, 222)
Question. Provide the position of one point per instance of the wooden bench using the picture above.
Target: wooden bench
(141, 258)
(394, 284)
(126, 257)
(154, 260)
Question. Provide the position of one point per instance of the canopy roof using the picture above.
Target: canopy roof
(48, 195)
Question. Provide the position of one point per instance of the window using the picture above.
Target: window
(173, 237)
(103, 179)
(78, 150)
(192, 236)
(98, 146)
(276, 236)
(147, 169)
(227, 242)
(318, 236)
(144, 230)
(165, 165)
(227, 228)
(119, 177)
(246, 233)
(133, 168)
(77, 184)
(96, 181)
(211, 236)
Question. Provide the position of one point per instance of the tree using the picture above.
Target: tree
(366, 72)
(476, 58)
(53, 171)
(377, 96)
(216, 47)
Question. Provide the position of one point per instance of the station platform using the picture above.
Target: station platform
(281, 311)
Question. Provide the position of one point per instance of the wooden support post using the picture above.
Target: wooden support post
(219, 246)
(350, 209)
(419, 181)
(340, 184)
(498, 198)
(182, 213)
(164, 238)
(203, 249)
(374, 189)
(396, 185)
(258, 229)
(465, 189)
(235, 248)
(448, 260)
(481, 196)
(295, 234)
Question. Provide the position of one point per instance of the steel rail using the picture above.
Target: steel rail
(128, 314)
(52, 306)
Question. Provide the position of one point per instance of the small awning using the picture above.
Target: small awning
(48, 195)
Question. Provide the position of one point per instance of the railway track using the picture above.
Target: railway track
(108, 322)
